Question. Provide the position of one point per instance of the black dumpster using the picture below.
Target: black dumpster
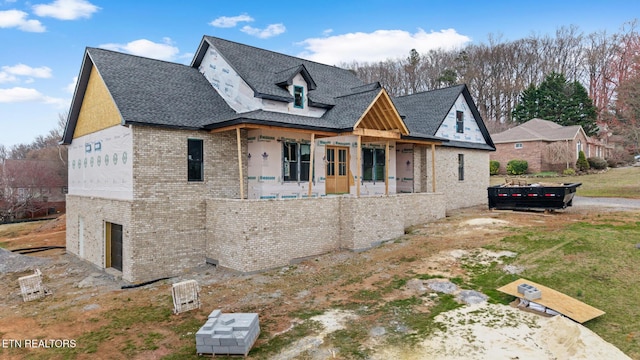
(531, 196)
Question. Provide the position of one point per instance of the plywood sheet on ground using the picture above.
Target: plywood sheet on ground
(555, 300)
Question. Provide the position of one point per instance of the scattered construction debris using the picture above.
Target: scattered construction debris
(228, 334)
(186, 296)
(549, 301)
(31, 286)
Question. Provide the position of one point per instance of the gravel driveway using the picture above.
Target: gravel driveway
(614, 203)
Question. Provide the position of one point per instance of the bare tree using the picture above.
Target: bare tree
(558, 153)
(498, 71)
(25, 187)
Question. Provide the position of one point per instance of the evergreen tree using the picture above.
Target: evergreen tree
(582, 164)
(528, 105)
(557, 100)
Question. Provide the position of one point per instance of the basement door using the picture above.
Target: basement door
(337, 178)
(114, 246)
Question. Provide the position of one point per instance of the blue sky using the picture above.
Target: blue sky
(42, 41)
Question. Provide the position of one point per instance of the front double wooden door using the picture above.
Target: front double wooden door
(337, 172)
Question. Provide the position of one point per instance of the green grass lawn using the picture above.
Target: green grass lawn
(618, 182)
(594, 261)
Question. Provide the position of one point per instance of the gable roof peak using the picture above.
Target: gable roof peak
(90, 49)
(288, 75)
(235, 43)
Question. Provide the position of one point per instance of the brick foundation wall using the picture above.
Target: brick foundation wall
(254, 235)
(93, 213)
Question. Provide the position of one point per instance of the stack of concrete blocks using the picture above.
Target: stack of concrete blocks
(529, 292)
(228, 334)
(31, 286)
(186, 296)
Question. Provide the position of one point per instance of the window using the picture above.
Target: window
(461, 167)
(195, 160)
(298, 95)
(578, 148)
(23, 193)
(518, 145)
(373, 162)
(459, 122)
(296, 159)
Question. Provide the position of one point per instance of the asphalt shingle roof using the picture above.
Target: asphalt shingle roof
(154, 92)
(158, 92)
(537, 129)
(262, 70)
(424, 112)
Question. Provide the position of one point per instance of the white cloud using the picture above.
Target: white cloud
(269, 31)
(230, 21)
(72, 85)
(327, 32)
(20, 94)
(6, 77)
(379, 45)
(13, 73)
(18, 19)
(25, 70)
(66, 9)
(146, 48)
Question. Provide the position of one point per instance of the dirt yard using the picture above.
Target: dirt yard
(88, 308)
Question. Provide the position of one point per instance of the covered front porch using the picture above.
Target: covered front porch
(376, 156)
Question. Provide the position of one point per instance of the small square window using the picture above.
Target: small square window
(298, 97)
(518, 145)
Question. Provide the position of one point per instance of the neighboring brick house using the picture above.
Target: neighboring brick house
(31, 188)
(249, 159)
(545, 145)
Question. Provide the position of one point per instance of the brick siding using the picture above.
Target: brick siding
(254, 235)
(173, 224)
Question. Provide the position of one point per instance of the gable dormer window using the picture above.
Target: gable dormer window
(298, 94)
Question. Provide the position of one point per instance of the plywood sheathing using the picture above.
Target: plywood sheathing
(557, 301)
(98, 110)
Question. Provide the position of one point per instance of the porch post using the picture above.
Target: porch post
(240, 163)
(311, 158)
(358, 165)
(386, 169)
(433, 168)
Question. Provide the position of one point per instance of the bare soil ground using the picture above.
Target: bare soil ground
(88, 306)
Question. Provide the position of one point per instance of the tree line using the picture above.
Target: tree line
(29, 172)
(498, 71)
